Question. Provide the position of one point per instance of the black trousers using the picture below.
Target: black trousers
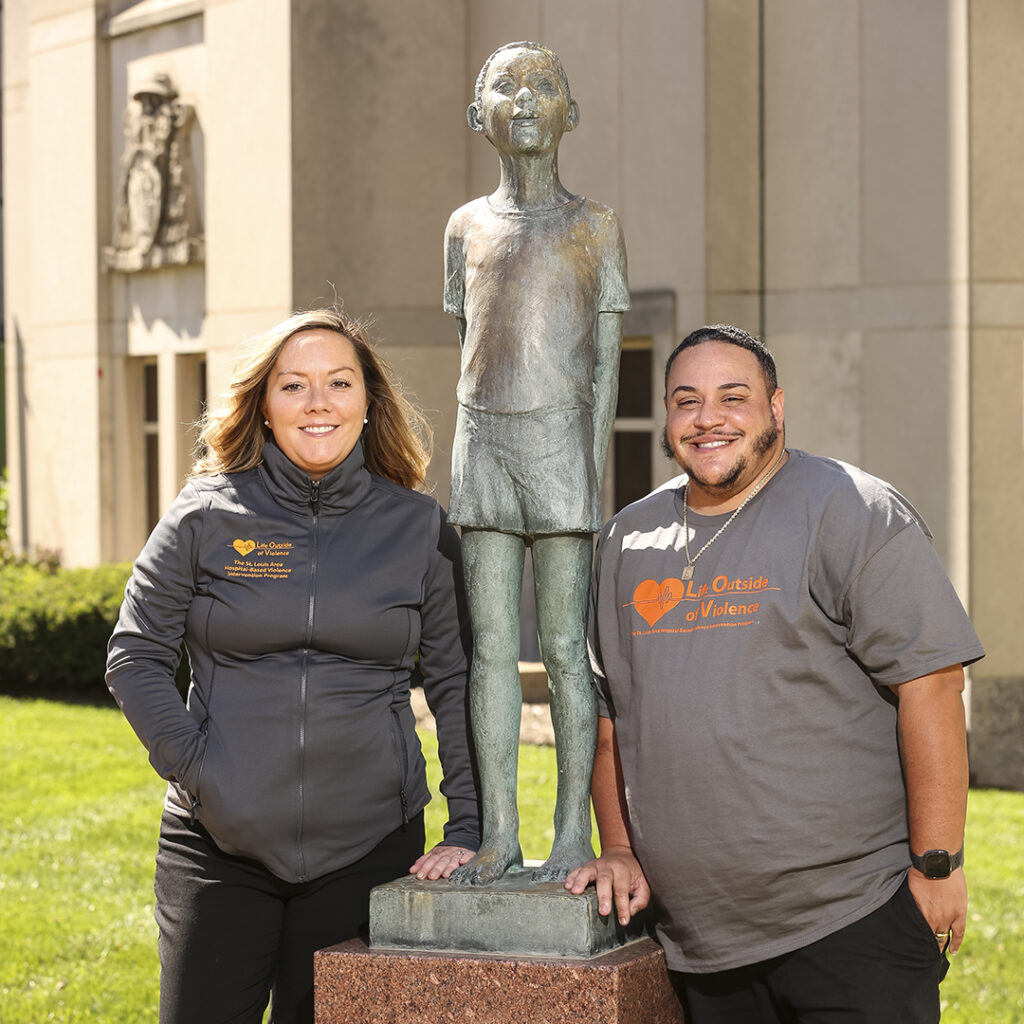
(231, 932)
(882, 969)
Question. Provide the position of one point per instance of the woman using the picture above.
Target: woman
(304, 575)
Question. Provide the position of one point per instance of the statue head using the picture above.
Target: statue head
(522, 101)
(153, 92)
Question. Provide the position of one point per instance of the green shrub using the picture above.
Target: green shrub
(55, 623)
(44, 559)
(54, 628)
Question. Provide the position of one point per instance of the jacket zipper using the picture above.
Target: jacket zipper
(403, 762)
(204, 728)
(194, 802)
(314, 504)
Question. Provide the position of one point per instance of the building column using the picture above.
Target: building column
(996, 482)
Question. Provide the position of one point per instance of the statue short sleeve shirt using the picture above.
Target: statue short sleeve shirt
(530, 287)
(753, 717)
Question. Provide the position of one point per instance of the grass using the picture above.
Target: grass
(985, 984)
(80, 808)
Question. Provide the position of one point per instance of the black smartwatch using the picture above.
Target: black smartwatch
(937, 863)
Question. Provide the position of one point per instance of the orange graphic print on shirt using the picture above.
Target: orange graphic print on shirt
(652, 599)
(725, 601)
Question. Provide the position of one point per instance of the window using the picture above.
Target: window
(630, 455)
(188, 399)
(636, 464)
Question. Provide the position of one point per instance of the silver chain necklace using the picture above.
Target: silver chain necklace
(687, 573)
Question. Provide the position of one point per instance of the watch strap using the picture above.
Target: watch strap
(937, 863)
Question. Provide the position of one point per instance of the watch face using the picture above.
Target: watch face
(936, 864)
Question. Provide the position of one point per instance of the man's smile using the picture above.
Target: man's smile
(709, 445)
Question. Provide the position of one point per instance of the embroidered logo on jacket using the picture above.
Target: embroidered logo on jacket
(268, 563)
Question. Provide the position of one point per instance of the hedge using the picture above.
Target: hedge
(54, 627)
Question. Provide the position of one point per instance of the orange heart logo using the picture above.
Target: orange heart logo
(243, 547)
(652, 599)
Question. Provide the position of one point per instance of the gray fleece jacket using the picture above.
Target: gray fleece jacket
(302, 606)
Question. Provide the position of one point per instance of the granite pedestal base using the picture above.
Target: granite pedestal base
(358, 985)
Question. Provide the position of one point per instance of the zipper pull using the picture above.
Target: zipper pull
(314, 497)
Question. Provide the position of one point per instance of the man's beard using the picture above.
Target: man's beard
(763, 443)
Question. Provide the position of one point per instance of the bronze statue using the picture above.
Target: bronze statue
(537, 279)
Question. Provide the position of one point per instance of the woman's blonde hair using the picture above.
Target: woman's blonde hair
(396, 440)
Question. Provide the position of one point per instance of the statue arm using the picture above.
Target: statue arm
(608, 343)
(455, 274)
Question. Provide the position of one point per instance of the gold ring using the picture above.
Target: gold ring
(941, 935)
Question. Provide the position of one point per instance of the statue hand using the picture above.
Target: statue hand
(600, 458)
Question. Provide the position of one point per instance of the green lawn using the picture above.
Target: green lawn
(80, 806)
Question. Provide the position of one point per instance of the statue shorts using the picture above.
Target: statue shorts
(525, 473)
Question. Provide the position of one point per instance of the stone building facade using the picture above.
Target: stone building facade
(840, 178)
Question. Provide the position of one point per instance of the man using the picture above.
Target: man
(782, 753)
(537, 279)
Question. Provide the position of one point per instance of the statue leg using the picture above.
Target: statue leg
(493, 564)
(561, 565)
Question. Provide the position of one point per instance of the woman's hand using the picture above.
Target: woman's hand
(441, 861)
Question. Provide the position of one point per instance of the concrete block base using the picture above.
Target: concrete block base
(358, 985)
(514, 915)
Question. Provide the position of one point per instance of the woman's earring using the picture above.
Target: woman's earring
(266, 423)
(366, 419)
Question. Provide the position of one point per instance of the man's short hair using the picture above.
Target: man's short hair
(522, 45)
(731, 336)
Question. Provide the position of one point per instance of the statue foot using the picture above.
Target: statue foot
(565, 856)
(491, 862)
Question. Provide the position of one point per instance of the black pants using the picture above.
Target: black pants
(231, 932)
(882, 969)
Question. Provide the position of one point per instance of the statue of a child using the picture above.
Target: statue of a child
(537, 277)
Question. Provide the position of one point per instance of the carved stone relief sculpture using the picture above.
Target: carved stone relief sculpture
(157, 218)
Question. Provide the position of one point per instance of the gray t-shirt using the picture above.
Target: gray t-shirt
(758, 741)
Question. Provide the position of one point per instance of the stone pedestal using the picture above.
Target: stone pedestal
(513, 915)
(359, 985)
